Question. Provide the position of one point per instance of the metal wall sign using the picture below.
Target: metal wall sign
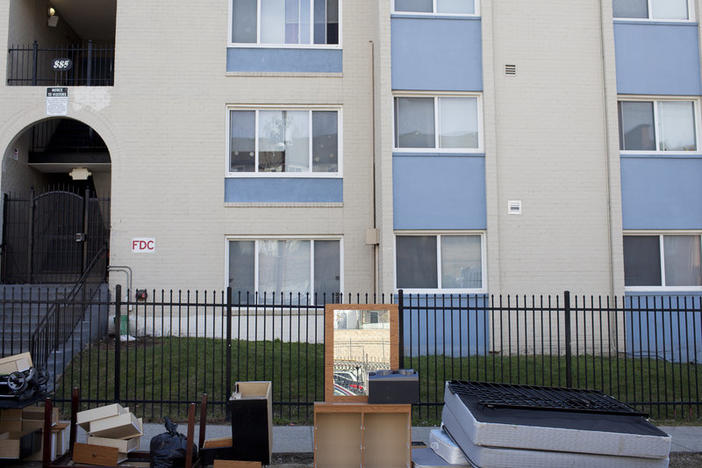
(56, 101)
(62, 64)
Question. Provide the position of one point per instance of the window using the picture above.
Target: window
(285, 22)
(439, 123)
(658, 125)
(290, 142)
(448, 262)
(653, 9)
(272, 266)
(672, 261)
(450, 7)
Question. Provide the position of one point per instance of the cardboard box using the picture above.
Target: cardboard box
(32, 425)
(10, 415)
(236, 464)
(84, 418)
(18, 362)
(124, 446)
(17, 445)
(124, 426)
(96, 455)
(36, 413)
(217, 443)
(12, 426)
(251, 409)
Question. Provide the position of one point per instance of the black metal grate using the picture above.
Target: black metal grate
(493, 395)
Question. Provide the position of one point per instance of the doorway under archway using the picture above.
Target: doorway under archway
(56, 184)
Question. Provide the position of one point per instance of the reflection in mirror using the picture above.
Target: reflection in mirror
(361, 345)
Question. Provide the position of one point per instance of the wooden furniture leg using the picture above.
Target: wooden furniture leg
(75, 406)
(46, 436)
(203, 419)
(191, 436)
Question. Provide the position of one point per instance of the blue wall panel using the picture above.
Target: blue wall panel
(437, 54)
(657, 58)
(661, 193)
(439, 192)
(283, 190)
(674, 335)
(284, 60)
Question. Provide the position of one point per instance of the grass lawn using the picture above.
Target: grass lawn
(157, 374)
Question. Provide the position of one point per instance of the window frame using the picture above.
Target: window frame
(339, 174)
(661, 240)
(259, 44)
(656, 130)
(256, 239)
(436, 149)
(439, 235)
(435, 13)
(690, 15)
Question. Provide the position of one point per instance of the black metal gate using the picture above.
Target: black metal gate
(51, 237)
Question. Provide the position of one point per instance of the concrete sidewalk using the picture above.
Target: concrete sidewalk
(299, 439)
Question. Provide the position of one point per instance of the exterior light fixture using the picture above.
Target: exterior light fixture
(52, 11)
(53, 19)
(80, 173)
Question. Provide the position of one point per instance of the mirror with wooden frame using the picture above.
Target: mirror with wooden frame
(359, 338)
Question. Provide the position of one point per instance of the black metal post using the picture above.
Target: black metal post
(569, 364)
(90, 62)
(401, 321)
(35, 49)
(84, 237)
(3, 246)
(228, 382)
(118, 320)
(30, 241)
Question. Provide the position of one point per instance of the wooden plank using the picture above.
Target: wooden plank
(96, 455)
(124, 446)
(236, 464)
(85, 417)
(10, 415)
(36, 413)
(218, 443)
(124, 426)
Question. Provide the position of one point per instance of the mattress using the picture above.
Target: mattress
(425, 457)
(499, 457)
(556, 431)
(446, 448)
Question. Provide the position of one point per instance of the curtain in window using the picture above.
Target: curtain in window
(676, 126)
(458, 122)
(461, 266)
(682, 261)
(283, 141)
(284, 266)
(455, 6)
(669, 9)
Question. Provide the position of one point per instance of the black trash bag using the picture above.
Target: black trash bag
(168, 449)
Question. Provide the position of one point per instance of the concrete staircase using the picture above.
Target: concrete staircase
(23, 307)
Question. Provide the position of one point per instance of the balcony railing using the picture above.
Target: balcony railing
(74, 65)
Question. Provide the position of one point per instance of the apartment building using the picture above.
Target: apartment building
(314, 146)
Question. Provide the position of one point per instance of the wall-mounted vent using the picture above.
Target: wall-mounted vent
(510, 70)
(514, 207)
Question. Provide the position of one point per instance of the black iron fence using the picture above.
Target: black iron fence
(168, 347)
(86, 64)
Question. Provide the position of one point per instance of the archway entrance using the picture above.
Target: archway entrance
(56, 207)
